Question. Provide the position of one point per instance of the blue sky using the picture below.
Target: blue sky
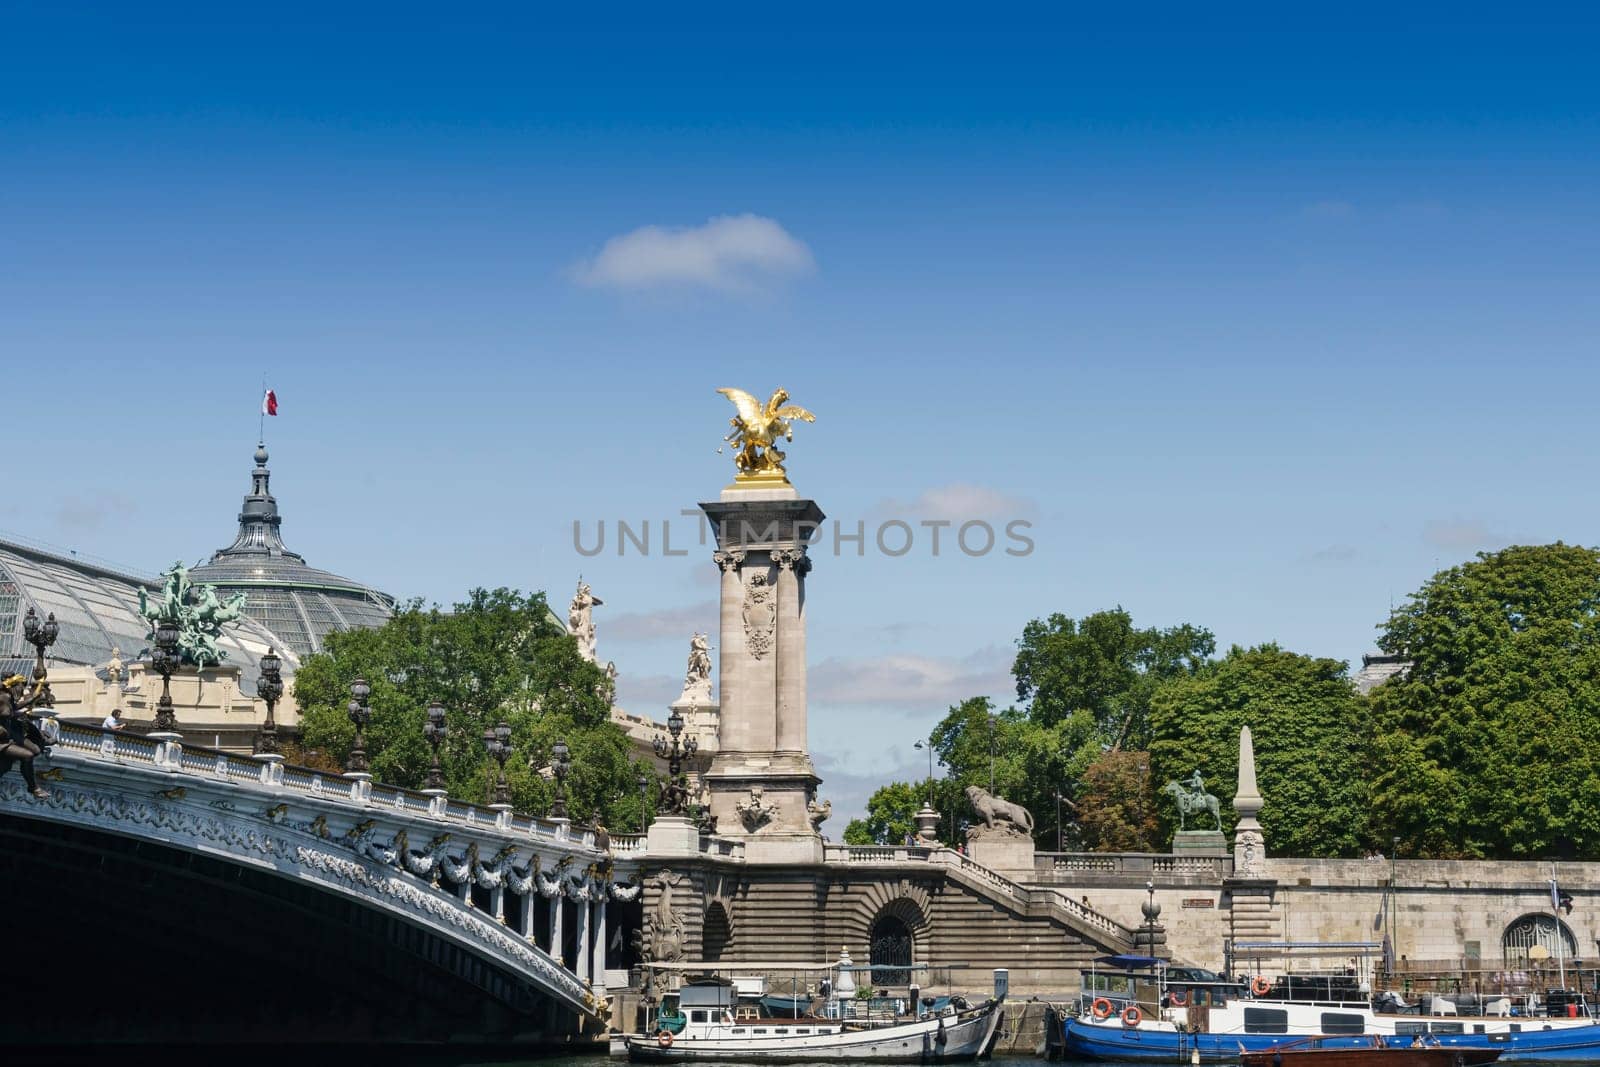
(1257, 322)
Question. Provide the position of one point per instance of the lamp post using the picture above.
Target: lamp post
(269, 687)
(644, 803)
(41, 635)
(991, 752)
(1151, 910)
(360, 715)
(434, 731)
(560, 763)
(497, 743)
(675, 795)
(1058, 821)
(929, 746)
(164, 658)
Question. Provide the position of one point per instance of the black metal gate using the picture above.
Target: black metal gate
(891, 948)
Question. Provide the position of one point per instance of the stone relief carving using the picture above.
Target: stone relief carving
(1000, 816)
(760, 615)
(755, 812)
(662, 939)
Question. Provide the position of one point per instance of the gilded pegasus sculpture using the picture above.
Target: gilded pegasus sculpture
(756, 430)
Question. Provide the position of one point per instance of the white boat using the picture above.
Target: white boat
(710, 1022)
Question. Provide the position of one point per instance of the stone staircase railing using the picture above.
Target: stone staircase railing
(1022, 898)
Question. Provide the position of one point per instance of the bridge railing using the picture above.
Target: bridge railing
(120, 747)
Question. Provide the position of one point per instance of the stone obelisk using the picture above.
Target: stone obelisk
(761, 780)
(1249, 845)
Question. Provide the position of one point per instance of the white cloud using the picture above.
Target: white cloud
(923, 683)
(730, 253)
(1456, 534)
(958, 502)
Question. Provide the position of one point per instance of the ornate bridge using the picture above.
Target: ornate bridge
(255, 901)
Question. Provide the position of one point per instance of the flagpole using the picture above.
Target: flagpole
(261, 419)
(1555, 913)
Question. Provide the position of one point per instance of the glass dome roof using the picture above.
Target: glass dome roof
(97, 608)
(299, 603)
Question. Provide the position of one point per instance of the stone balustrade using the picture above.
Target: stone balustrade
(1128, 868)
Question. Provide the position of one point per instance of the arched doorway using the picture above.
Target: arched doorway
(1537, 937)
(890, 946)
(716, 934)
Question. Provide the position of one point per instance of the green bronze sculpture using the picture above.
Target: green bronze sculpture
(1192, 798)
(198, 613)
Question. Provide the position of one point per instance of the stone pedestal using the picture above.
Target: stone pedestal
(672, 835)
(761, 777)
(1209, 843)
(1009, 854)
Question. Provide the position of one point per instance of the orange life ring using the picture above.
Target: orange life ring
(1132, 1016)
(664, 1039)
(1101, 1007)
(1260, 986)
(1178, 997)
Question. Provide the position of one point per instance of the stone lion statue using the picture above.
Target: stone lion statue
(999, 813)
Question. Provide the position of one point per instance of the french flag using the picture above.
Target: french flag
(269, 403)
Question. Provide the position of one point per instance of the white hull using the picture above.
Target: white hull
(964, 1037)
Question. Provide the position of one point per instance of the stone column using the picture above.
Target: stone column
(793, 563)
(528, 900)
(733, 736)
(761, 776)
(600, 944)
(585, 956)
(557, 904)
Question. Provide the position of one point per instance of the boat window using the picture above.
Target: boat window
(801, 1030)
(759, 1030)
(1477, 1028)
(1448, 1028)
(1266, 1021)
(697, 1016)
(1516, 1028)
(1410, 1028)
(738, 1029)
(1338, 1022)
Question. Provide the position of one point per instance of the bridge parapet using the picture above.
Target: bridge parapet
(467, 873)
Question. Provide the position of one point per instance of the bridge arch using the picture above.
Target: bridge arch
(208, 899)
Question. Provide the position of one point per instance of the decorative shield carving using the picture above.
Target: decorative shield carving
(760, 615)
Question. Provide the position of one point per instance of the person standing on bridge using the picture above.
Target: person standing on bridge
(17, 745)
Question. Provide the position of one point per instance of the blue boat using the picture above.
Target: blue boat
(1130, 1013)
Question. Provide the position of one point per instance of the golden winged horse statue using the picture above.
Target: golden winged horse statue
(756, 430)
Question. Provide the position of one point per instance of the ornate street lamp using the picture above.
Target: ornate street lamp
(435, 731)
(164, 658)
(41, 636)
(269, 687)
(644, 804)
(560, 763)
(497, 743)
(360, 715)
(676, 795)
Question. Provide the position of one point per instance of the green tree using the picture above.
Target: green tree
(890, 815)
(1116, 809)
(498, 656)
(1105, 666)
(1489, 744)
(1310, 733)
